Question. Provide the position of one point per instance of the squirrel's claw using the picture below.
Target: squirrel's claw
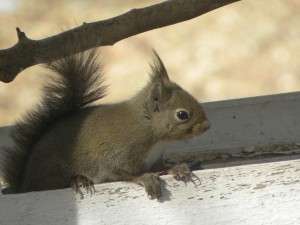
(152, 184)
(183, 173)
(80, 183)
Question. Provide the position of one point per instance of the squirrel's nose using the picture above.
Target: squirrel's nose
(201, 127)
(205, 125)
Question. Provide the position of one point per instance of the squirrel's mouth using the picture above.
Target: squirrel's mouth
(195, 130)
(200, 128)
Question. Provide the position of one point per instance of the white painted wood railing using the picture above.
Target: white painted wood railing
(244, 195)
(251, 130)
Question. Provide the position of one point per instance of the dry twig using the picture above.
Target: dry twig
(28, 52)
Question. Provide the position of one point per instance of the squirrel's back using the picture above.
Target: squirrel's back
(79, 83)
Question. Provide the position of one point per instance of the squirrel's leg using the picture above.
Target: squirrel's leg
(150, 181)
(183, 173)
(152, 184)
(80, 183)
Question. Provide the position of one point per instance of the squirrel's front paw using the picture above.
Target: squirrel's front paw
(183, 173)
(152, 184)
(80, 183)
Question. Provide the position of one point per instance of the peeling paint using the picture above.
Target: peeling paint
(229, 155)
(260, 186)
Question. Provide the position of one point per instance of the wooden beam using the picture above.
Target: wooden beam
(266, 194)
(248, 130)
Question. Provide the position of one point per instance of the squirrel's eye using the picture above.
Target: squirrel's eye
(182, 114)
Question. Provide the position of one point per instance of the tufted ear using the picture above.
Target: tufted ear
(160, 88)
(158, 70)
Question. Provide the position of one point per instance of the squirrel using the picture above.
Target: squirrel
(67, 142)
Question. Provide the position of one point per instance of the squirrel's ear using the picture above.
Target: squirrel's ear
(159, 94)
(158, 70)
(160, 91)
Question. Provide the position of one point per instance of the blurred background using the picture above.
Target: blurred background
(249, 48)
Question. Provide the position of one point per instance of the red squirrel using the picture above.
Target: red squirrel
(65, 142)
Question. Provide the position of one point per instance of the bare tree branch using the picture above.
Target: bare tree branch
(28, 52)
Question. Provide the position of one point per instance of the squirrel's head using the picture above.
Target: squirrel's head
(173, 112)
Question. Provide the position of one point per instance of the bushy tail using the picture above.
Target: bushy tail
(79, 83)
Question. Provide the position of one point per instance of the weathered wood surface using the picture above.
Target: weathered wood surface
(242, 129)
(266, 194)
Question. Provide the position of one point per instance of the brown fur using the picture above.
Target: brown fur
(103, 143)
